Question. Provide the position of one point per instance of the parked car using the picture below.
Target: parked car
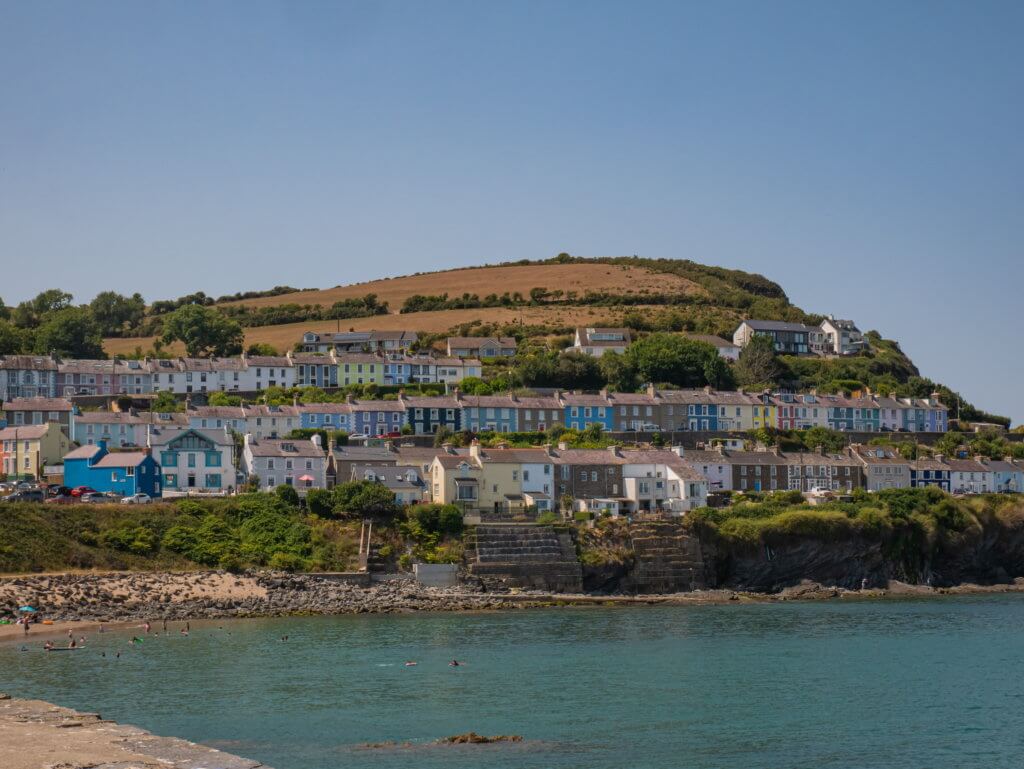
(80, 490)
(137, 499)
(27, 495)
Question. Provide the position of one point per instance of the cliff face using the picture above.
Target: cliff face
(668, 557)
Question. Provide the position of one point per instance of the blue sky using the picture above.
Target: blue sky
(867, 156)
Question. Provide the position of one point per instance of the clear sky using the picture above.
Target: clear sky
(868, 156)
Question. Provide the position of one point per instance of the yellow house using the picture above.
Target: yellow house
(25, 451)
(492, 480)
(360, 368)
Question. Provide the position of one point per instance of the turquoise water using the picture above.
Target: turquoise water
(934, 684)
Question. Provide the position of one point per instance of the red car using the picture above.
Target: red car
(80, 490)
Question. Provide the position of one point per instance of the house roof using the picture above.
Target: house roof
(276, 447)
(24, 432)
(476, 342)
(390, 475)
(777, 325)
(82, 452)
(715, 341)
(586, 336)
(161, 435)
(38, 404)
(121, 459)
(28, 362)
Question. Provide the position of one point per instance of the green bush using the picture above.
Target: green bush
(287, 494)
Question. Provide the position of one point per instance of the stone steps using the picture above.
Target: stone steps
(523, 555)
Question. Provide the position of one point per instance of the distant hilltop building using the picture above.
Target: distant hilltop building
(359, 341)
(598, 341)
(831, 337)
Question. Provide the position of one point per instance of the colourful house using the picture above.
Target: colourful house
(428, 415)
(25, 451)
(125, 473)
(582, 410)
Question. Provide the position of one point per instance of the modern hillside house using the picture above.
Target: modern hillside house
(481, 346)
(124, 473)
(598, 341)
(788, 338)
(359, 341)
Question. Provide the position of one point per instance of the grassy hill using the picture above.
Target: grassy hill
(552, 295)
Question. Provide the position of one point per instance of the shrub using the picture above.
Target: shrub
(319, 502)
(287, 494)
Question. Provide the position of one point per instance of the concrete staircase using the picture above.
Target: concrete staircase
(507, 555)
(667, 559)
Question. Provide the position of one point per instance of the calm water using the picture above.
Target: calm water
(917, 684)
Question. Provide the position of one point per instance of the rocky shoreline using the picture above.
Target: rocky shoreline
(179, 596)
(38, 735)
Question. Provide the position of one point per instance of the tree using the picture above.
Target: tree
(364, 499)
(13, 340)
(204, 331)
(71, 333)
(116, 313)
(618, 371)
(672, 358)
(758, 364)
(31, 313)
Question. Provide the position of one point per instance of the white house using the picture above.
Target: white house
(598, 341)
(841, 337)
(299, 463)
(662, 480)
(194, 461)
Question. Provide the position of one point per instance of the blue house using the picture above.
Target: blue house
(326, 416)
(376, 417)
(930, 472)
(428, 415)
(126, 473)
(494, 413)
(581, 411)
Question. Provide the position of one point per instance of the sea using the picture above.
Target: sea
(919, 683)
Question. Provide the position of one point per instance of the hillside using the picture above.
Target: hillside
(556, 294)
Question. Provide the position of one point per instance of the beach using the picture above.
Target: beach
(83, 602)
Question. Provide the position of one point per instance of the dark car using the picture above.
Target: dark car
(26, 495)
